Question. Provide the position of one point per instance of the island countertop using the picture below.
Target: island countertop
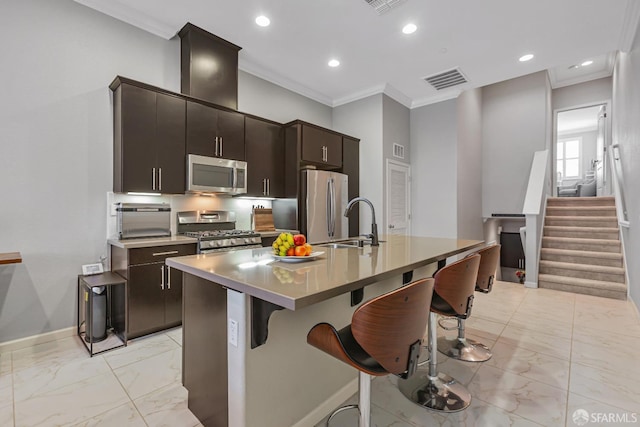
(339, 270)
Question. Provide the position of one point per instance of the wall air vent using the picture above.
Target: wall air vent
(382, 6)
(446, 79)
(398, 151)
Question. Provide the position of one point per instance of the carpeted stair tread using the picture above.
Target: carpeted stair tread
(586, 254)
(581, 232)
(581, 201)
(609, 211)
(583, 286)
(583, 267)
(569, 240)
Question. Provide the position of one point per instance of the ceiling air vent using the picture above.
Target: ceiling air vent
(446, 79)
(382, 6)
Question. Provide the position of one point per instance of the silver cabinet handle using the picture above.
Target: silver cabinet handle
(216, 147)
(153, 179)
(221, 146)
(264, 187)
(268, 186)
(159, 179)
(162, 279)
(164, 253)
(168, 277)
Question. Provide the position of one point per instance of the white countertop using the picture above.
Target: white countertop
(295, 285)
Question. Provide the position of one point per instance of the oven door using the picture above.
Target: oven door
(213, 175)
(229, 249)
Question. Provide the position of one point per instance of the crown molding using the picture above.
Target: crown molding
(630, 25)
(435, 99)
(607, 72)
(131, 16)
(356, 96)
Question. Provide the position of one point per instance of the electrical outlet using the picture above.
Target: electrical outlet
(233, 332)
(113, 211)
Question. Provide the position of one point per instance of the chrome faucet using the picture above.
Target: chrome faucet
(374, 226)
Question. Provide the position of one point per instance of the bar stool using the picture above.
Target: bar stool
(384, 337)
(466, 349)
(452, 295)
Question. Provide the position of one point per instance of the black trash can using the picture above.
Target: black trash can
(96, 325)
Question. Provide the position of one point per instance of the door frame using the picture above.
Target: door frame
(554, 139)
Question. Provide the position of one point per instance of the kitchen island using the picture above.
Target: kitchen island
(246, 316)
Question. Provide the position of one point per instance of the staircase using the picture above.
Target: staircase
(581, 250)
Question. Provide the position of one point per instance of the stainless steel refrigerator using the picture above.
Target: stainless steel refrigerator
(324, 198)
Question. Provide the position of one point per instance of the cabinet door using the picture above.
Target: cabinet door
(170, 125)
(173, 298)
(146, 299)
(138, 133)
(201, 129)
(321, 147)
(230, 131)
(264, 145)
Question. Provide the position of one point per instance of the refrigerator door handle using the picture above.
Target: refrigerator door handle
(333, 207)
(329, 208)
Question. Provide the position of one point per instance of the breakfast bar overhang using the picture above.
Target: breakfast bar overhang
(246, 361)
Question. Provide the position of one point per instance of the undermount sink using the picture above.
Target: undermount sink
(351, 243)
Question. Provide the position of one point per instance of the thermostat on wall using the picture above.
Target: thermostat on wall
(89, 269)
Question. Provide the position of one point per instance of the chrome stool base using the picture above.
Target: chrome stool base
(464, 349)
(441, 393)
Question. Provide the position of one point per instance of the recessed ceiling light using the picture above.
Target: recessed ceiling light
(263, 21)
(409, 28)
(525, 58)
(585, 63)
(334, 63)
(573, 67)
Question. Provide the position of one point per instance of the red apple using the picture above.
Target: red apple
(299, 239)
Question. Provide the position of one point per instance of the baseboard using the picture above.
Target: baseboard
(37, 339)
(532, 285)
(315, 416)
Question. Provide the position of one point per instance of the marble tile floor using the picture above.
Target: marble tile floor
(554, 353)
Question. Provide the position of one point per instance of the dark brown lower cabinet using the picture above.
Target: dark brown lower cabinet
(154, 291)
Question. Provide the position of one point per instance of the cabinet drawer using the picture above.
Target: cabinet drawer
(159, 253)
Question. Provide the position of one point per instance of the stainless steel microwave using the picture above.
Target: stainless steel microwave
(213, 175)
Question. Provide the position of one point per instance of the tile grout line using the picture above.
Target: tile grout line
(127, 393)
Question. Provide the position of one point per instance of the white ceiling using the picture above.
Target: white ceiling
(484, 38)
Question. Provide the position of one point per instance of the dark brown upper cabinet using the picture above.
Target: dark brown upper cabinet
(214, 132)
(209, 67)
(264, 144)
(149, 139)
(316, 145)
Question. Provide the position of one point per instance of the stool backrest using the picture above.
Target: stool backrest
(387, 326)
(456, 282)
(489, 260)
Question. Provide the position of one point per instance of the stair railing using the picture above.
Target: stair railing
(618, 185)
(535, 202)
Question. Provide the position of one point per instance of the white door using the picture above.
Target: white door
(398, 198)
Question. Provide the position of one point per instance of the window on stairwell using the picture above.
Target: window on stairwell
(568, 152)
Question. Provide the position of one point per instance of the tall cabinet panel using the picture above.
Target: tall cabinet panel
(264, 143)
(351, 167)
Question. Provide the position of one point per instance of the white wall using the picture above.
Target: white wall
(363, 119)
(515, 124)
(56, 147)
(580, 94)
(626, 132)
(434, 169)
(469, 169)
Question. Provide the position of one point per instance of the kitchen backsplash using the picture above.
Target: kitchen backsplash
(242, 207)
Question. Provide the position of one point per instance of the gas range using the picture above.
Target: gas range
(215, 231)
